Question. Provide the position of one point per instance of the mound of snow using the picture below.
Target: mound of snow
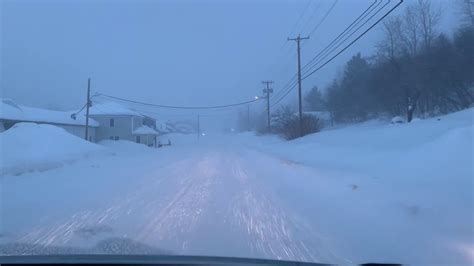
(29, 146)
(389, 184)
(125, 146)
(179, 139)
(397, 120)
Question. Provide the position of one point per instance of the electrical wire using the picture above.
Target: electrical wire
(293, 79)
(347, 29)
(298, 21)
(354, 41)
(308, 22)
(323, 18)
(347, 37)
(179, 107)
(346, 47)
(285, 90)
(284, 95)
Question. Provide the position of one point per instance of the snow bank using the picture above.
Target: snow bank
(398, 120)
(404, 190)
(179, 139)
(125, 146)
(29, 146)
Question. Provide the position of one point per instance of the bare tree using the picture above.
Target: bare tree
(390, 45)
(429, 18)
(418, 29)
(467, 11)
(411, 31)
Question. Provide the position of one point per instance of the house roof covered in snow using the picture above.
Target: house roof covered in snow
(111, 108)
(9, 110)
(162, 127)
(145, 130)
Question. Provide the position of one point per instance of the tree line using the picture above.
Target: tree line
(416, 71)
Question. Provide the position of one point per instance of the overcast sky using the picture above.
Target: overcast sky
(170, 52)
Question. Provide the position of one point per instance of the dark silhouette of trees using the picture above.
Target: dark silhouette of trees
(416, 71)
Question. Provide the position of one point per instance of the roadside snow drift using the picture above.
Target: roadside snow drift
(386, 192)
(29, 147)
(372, 192)
(125, 146)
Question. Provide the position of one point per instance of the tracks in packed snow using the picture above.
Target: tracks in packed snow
(211, 204)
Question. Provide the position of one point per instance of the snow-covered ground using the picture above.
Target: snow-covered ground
(40, 147)
(373, 192)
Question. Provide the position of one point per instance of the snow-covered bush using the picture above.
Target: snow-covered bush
(397, 120)
(291, 128)
(286, 123)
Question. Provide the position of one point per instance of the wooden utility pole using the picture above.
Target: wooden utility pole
(87, 107)
(248, 117)
(298, 40)
(267, 91)
(198, 127)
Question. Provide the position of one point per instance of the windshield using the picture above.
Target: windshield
(335, 131)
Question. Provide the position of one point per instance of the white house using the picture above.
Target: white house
(12, 113)
(118, 122)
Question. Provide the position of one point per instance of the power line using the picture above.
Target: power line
(294, 78)
(283, 93)
(344, 32)
(286, 54)
(355, 40)
(308, 22)
(355, 22)
(179, 107)
(298, 20)
(323, 18)
(348, 35)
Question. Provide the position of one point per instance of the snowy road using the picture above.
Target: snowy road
(324, 198)
(209, 200)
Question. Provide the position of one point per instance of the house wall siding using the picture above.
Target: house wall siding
(80, 131)
(122, 127)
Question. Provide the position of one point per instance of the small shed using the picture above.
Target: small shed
(145, 135)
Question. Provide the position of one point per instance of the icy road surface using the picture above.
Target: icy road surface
(207, 200)
(324, 198)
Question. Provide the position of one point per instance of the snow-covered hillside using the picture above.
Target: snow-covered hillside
(394, 192)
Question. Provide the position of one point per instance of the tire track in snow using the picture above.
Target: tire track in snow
(175, 224)
(272, 231)
(125, 215)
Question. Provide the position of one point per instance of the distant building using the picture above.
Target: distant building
(107, 121)
(12, 113)
(120, 123)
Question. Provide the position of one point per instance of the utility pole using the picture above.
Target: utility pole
(267, 91)
(198, 127)
(248, 117)
(298, 40)
(87, 107)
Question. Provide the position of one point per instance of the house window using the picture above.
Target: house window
(112, 122)
(138, 139)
